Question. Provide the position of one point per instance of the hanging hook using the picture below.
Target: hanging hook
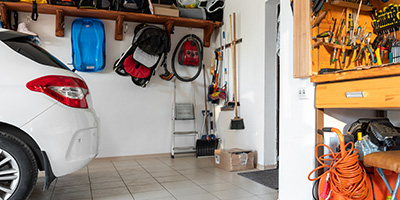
(28, 19)
(126, 26)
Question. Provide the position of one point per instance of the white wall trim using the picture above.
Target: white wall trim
(266, 167)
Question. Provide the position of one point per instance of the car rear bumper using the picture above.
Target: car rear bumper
(68, 135)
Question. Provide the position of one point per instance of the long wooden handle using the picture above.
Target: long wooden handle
(319, 19)
(358, 14)
(205, 99)
(234, 64)
(232, 54)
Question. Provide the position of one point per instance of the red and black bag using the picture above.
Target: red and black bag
(136, 69)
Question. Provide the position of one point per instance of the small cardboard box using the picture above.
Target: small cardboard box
(166, 10)
(234, 159)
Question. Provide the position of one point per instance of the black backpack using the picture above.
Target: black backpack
(137, 6)
(151, 39)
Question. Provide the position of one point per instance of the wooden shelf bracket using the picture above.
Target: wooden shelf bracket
(119, 26)
(207, 32)
(3, 13)
(60, 23)
(169, 26)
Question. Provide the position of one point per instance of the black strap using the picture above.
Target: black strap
(35, 14)
(14, 26)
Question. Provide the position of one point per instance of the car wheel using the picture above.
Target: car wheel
(18, 168)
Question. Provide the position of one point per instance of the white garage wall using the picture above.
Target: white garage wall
(133, 120)
(250, 21)
(297, 117)
(297, 121)
(137, 121)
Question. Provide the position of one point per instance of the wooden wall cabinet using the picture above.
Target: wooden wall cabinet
(377, 83)
(301, 39)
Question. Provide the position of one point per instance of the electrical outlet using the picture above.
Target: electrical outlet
(304, 93)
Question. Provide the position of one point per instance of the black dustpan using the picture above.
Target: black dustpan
(206, 147)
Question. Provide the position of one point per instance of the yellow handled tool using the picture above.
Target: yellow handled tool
(378, 56)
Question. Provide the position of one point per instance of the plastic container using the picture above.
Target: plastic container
(364, 146)
(370, 147)
(359, 146)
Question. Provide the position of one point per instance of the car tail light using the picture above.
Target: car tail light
(67, 90)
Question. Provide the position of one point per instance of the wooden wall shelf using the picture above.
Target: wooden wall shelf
(351, 5)
(119, 17)
(353, 74)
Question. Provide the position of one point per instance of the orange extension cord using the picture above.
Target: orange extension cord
(347, 177)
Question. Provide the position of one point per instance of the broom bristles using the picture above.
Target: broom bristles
(237, 123)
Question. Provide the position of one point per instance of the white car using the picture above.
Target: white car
(46, 118)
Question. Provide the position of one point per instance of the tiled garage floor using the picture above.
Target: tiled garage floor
(153, 177)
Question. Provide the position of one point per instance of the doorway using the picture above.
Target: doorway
(272, 60)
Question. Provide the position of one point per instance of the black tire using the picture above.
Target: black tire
(120, 69)
(199, 46)
(142, 82)
(24, 160)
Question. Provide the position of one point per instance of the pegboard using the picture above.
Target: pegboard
(322, 55)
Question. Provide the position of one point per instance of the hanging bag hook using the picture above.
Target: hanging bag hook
(34, 14)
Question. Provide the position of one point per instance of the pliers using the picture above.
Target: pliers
(366, 40)
(390, 54)
(385, 46)
(376, 45)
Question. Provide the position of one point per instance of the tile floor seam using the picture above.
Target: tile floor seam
(173, 159)
(156, 179)
(238, 185)
(196, 183)
(126, 186)
(90, 183)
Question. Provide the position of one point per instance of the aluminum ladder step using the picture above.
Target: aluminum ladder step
(185, 148)
(185, 133)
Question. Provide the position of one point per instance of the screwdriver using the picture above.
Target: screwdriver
(323, 35)
(333, 30)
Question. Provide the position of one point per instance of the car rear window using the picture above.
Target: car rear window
(34, 52)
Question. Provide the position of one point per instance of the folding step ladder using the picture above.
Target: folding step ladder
(184, 112)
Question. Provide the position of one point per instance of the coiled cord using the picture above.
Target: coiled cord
(199, 46)
(347, 176)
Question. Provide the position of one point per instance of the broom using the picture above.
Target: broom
(237, 122)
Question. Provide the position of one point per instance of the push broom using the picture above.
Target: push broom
(237, 123)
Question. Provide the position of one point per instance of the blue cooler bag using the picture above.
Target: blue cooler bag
(88, 45)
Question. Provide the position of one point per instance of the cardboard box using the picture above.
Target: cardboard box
(166, 10)
(234, 159)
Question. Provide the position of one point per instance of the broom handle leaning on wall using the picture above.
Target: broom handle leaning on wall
(234, 64)
(231, 50)
(205, 100)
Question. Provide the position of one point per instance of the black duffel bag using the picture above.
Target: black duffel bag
(137, 6)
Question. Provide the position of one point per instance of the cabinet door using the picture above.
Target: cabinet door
(301, 39)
